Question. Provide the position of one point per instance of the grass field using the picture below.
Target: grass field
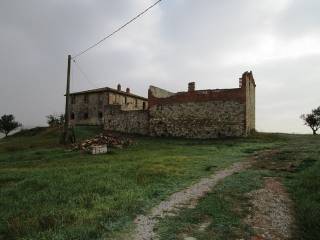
(49, 192)
(296, 161)
(223, 210)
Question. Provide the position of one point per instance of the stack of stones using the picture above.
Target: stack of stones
(99, 143)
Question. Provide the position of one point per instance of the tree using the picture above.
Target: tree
(8, 124)
(55, 120)
(312, 120)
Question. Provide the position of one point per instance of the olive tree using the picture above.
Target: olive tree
(312, 120)
(8, 124)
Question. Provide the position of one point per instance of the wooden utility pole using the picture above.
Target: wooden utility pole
(67, 110)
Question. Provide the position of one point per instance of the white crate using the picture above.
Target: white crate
(99, 149)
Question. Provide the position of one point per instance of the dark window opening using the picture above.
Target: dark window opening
(125, 100)
(136, 102)
(86, 99)
(100, 99)
(144, 105)
(72, 116)
(86, 116)
(100, 115)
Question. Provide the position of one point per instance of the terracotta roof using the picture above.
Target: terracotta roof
(107, 89)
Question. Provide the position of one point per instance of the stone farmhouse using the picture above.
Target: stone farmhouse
(191, 114)
(88, 107)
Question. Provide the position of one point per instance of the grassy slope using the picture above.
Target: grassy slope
(47, 192)
(297, 162)
(304, 185)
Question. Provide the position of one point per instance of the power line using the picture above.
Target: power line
(117, 30)
(85, 76)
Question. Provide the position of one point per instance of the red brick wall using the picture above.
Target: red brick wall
(235, 94)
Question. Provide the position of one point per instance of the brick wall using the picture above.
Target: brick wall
(236, 94)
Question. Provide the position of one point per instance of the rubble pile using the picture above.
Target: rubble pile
(103, 140)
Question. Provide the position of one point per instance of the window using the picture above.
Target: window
(144, 105)
(86, 115)
(136, 102)
(86, 99)
(100, 115)
(72, 116)
(73, 99)
(100, 99)
(125, 100)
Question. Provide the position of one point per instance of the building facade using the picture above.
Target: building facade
(203, 113)
(89, 107)
(211, 113)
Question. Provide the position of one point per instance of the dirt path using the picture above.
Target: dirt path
(186, 198)
(271, 216)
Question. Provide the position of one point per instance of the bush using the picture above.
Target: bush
(55, 120)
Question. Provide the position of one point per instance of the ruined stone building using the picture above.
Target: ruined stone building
(88, 107)
(190, 114)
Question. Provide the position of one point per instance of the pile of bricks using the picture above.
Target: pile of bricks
(102, 140)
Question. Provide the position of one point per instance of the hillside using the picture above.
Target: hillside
(50, 192)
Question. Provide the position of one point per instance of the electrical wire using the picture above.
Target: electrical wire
(85, 76)
(117, 30)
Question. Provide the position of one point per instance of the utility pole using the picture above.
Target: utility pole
(66, 135)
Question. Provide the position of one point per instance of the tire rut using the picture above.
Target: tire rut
(186, 198)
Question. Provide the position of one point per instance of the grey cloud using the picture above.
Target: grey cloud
(177, 42)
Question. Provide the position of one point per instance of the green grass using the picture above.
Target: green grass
(224, 209)
(296, 161)
(49, 192)
(304, 183)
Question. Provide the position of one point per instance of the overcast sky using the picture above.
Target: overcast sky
(211, 42)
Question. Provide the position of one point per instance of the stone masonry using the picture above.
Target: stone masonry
(89, 107)
(194, 113)
(210, 119)
(203, 113)
(132, 122)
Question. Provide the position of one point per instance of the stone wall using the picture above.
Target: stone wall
(247, 84)
(159, 92)
(191, 114)
(210, 119)
(127, 103)
(132, 122)
(88, 108)
(203, 113)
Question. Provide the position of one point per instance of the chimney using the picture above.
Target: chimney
(119, 87)
(128, 90)
(191, 87)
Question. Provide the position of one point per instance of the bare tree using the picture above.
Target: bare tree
(312, 120)
(8, 124)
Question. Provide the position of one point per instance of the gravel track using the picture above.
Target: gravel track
(271, 215)
(186, 198)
